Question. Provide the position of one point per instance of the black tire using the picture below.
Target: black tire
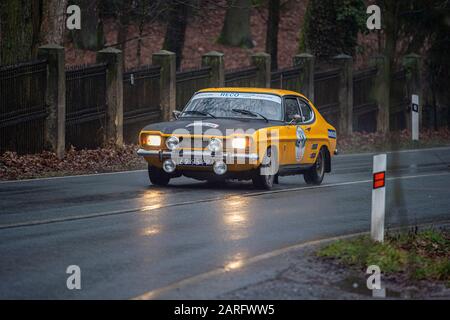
(265, 181)
(158, 176)
(315, 174)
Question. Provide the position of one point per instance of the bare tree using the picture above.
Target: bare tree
(28, 24)
(123, 21)
(236, 27)
(53, 22)
(273, 23)
(16, 31)
(176, 28)
(91, 36)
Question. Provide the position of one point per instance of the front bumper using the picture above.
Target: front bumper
(228, 157)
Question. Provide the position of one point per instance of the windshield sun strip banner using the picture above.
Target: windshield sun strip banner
(238, 95)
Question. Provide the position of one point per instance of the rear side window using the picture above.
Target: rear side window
(307, 112)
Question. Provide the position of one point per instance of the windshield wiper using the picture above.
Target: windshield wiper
(202, 113)
(249, 113)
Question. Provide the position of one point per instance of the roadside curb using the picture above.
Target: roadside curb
(341, 155)
(176, 286)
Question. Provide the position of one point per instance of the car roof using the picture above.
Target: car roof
(279, 92)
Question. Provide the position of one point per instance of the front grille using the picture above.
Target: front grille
(193, 143)
(190, 143)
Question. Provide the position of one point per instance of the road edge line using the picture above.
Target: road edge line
(446, 147)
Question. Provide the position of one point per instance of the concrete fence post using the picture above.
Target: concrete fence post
(214, 60)
(345, 122)
(55, 123)
(167, 61)
(261, 61)
(381, 91)
(306, 77)
(412, 64)
(114, 94)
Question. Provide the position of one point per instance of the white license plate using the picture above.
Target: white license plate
(195, 162)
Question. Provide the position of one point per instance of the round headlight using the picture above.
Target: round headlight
(215, 145)
(172, 143)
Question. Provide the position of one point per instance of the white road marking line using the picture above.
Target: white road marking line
(157, 207)
(271, 254)
(345, 184)
(391, 152)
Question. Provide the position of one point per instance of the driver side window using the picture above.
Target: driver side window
(292, 108)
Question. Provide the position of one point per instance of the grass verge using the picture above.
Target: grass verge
(423, 255)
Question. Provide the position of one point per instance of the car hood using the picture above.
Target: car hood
(201, 125)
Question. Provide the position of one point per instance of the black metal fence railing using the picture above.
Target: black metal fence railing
(245, 77)
(23, 107)
(141, 97)
(85, 105)
(398, 101)
(288, 79)
(326, 94)
(364, 104)
(190, 81)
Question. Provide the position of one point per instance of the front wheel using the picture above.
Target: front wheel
(315, 174)
(158, 176)
(265, 176)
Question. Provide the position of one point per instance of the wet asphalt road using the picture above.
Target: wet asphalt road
(129, 237)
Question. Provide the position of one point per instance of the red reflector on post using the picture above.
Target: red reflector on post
(379, 179)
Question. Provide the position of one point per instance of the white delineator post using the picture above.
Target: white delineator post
(415, 117)
(378, 197)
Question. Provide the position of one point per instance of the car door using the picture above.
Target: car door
(308, 125)
(294, 139)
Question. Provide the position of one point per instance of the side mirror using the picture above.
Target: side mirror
(176, 114)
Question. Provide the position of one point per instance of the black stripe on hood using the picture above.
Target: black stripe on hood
(204, 124)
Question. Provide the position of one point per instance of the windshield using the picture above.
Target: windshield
(228, 105)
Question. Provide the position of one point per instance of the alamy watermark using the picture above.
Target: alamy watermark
(374, 20)
(73, 21)
(374, 281)
(74, 280)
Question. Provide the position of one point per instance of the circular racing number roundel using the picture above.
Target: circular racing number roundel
(300, 144)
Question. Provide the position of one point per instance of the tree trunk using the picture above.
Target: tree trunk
(236, 27)
(272, 32)
(16, 31)
(123, 23)
(390, 45)
(53, 22)
(139, 45)
(90, 37)
(176, 29)
(36, 6)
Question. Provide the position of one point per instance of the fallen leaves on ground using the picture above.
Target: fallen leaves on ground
(112, 158)
(106, 159)
(373, 142)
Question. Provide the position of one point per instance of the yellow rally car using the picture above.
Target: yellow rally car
(241, 133)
